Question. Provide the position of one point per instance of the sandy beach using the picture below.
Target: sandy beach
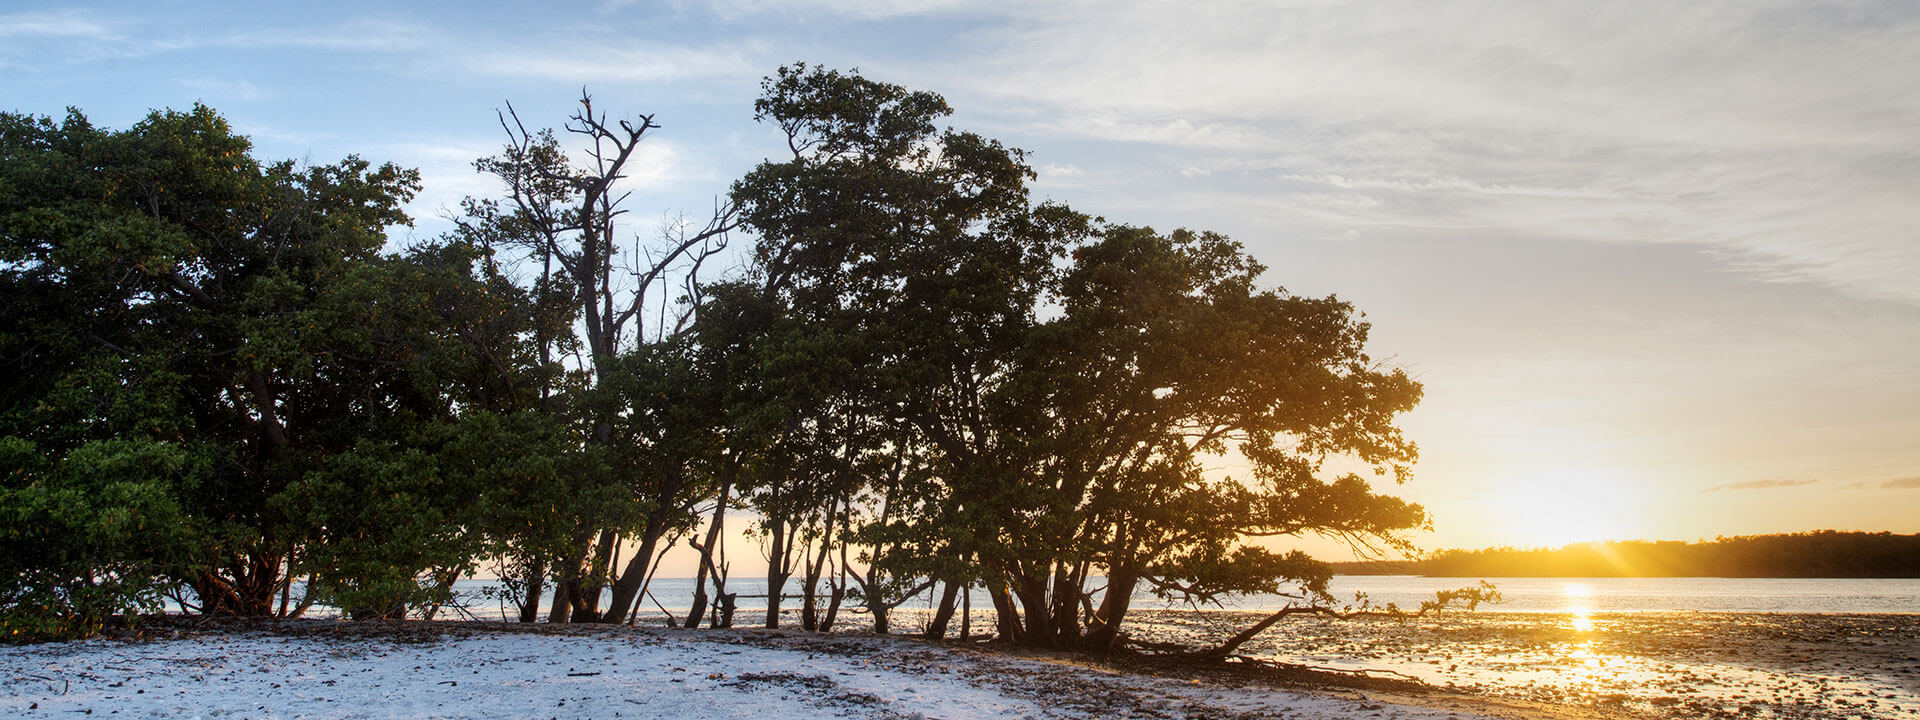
(335, 669)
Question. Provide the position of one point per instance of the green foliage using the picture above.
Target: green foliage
(1052, 386)
(214, 352)
(224, 383)
(91, 535)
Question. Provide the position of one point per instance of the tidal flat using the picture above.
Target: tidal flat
(1663, 664)
(180, 668)
(1459, 666)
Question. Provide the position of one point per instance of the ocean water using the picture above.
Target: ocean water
(1617, 595)
(1520, 595)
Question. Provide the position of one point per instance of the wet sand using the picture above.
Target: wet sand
(1663, 664)
(189, 668)
(1569, 666)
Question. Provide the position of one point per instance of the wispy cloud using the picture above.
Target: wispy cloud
(858, 9)
(30, 41)
(633, 62)
(1447, 184)
(100, 39)
(359, 35)
(1906, 483)
(1781, 135)
(448, 177)
(217, 89)
(446, 173)
(1054, 175)
(60, 23)
(1759, 485)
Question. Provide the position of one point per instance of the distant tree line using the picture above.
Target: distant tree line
(223, 388)
(1822, 554)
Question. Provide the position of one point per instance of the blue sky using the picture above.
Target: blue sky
(1657, 263)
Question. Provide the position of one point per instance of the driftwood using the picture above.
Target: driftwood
(1352, 672)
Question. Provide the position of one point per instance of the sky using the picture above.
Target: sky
(1657, 264)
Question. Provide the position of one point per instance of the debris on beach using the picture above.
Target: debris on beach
(336, 669)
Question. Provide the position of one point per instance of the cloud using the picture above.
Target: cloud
(36, 40)
(73, 36)
(1759, 485)
(848, 9)
(1780, 135)
(633, 62)
(217, 89)
(446, 173)
(1058, 175)
(448, 177)
(1178, 132)
(62, 24)
(1447, 184)
(1905, 483)
(364, 35)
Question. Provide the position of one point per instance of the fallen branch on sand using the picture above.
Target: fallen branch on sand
(1471, 597)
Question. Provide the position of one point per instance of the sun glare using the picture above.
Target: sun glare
(1561, 507)
(1579, 609)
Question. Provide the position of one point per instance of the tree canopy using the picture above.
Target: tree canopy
(1055, 382)
(917, 377)
(222, 381)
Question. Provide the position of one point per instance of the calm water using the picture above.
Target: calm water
(1614, 595)
(1521, 595)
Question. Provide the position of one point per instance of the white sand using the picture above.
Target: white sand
(605, 674)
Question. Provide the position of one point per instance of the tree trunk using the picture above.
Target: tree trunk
(833, 607)
(723, 612)
(1104, 630)
(778, 570)
(562, 608)
(251, 591)
(286, 587)
(626, 590)
(1066, 607)
(699, 607)
(839, 591)
(588, 609)
(1006, 616)
(966, 612)
(1032, 594)
(809, 607)
(307, 598)
(941, 617)
(443, 582)
(585, 596)
(536, 580)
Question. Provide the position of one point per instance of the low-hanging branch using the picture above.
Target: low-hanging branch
(1471, 597)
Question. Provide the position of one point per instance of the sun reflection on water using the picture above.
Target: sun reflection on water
(1579, 607)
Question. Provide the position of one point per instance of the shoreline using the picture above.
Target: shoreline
(188, 667)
